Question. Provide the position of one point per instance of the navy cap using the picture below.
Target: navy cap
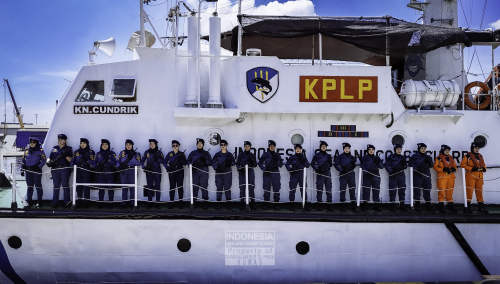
(298, 146)
(247, 143)
(153, 140)
(271, 142)
(62, 136)
(346, 145)
(34, 139)
(198, 140)
(420, 145)
(321, 143)
(444, 147)
(397, 146)
(224, 141)
(472, 146)
(105, 141)
(176, 142)
(84, 140)
(370, 146)
(129, 141)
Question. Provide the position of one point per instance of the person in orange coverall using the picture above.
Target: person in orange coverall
(446, 167)
(473, 163)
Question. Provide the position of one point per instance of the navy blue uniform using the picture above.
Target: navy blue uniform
(200, 159)
(395, 166)
(295, 165)
(129, 159)
(151, 163)
(270, 162)
(84, 160)
(371, 165)
(246, 158)
(421, 164)
(61, 171)
(345, 164)
(174, 163)
(321, 163)
(105, 163)
(32, 162)
(222, 163)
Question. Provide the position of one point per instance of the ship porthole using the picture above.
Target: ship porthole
(398, 139)
(15, 242)
(480, 140)
(297, 139)
(184, 245)
(302, 248)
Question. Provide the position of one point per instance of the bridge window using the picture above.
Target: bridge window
(123, 90)
(92, 91)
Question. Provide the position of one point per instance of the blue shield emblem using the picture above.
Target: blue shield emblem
(262, 83)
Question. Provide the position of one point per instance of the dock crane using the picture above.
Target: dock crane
(15, 105)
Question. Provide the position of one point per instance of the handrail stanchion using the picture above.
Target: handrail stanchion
(465, 191)
(73, 206)
(191, 186)
(411, 189)
(359, 190)
(135, 187)
(13, 205)
(304, 190)
(247, 207)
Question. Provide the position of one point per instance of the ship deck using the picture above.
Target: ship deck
(141, 212)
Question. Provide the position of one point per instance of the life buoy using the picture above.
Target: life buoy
(484, 89)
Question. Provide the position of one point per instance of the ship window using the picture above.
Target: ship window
(92, 91)
(123, 90)
(480, 140)
(398, 139)
(297, 139)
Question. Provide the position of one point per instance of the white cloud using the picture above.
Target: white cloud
(67, 74)
(496, 25)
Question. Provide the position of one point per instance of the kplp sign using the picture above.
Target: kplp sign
(348, 89)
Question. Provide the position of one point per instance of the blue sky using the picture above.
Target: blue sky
(45, 42)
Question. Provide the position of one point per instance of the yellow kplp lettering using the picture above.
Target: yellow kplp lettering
(343, 96)
(309, 89)
(328, 85)
(363, 88)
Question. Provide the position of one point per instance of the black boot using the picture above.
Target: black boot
(377, 207)
(353, 206)
(158, 206)
(253, 206)
(343, 206)
(329, 207)
(171, 205)
(441, 207)
(318, 206)
(99, 206)
(242, 204)
(217, 204)
(364, 206)
(277, 207)
(451, 207)
(205, 204)
(307, 207)
(428, 207)
(417, 206)
(149, 205)
(402, 206)
(394, 206)
(181, 204)
(482, 208)
(228, 205)
(468, 209)
(292, 206)
(266, 206)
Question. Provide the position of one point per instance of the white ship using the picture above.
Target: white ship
(410, 91)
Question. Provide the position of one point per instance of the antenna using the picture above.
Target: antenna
(105, 46)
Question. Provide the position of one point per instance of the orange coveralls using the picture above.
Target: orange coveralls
(445, 181)
(473, 180)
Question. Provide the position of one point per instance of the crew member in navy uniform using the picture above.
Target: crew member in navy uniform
(247, 158)
(222, 163)
(395, 166)
(321, 163)
(127, 160)
(105, 164)
(269, 163)
(60, 160)
(83, 158)
(345, 163)
(371, 164)
(295, 165)
(174, 163)
(32, 163)
(151, 163)
(421, 164)
(200, 159)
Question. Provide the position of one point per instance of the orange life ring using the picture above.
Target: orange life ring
(484, 88)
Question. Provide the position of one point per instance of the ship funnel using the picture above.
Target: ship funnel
(214, 97)
(193, 80)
